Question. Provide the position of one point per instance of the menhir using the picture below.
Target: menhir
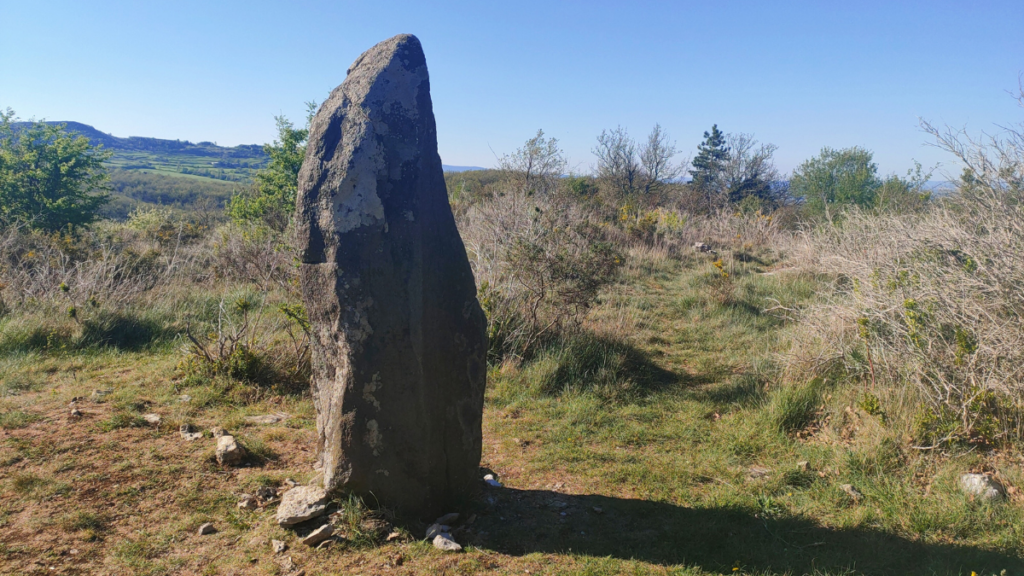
(399, 339)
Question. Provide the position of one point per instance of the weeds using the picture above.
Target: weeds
(14, 419)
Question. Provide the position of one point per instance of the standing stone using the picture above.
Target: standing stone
(399, 339)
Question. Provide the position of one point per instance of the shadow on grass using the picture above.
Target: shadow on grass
(587, 361)
(745, 390)
(118, 330)
(519, 522)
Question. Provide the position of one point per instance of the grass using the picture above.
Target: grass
(659, 440)
(17, 419)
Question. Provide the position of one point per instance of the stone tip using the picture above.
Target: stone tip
(386, 50)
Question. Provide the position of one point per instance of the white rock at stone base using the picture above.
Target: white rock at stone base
(319, 535)
(436, 529)
(300, 504)
(448, 519)
(445, 542)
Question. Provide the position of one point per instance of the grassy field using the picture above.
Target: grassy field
(655, 442)
(187, 165)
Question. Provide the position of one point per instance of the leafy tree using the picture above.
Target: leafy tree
(49, 178)
(836, 178)
(709, 166)
(271, 198)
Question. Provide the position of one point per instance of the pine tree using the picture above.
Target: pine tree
(708, 166)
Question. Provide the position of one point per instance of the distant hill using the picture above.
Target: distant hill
(175, 157)
(178, 173)
(204, 159)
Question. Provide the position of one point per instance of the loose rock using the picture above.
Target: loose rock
(229, 452)
(435, 529)
(983, 486)
(278, 546)
(446, 543)
(803, 466)
(206, 529)
(75, 412)
(853, 492)
(267, 418)
(247, 502)
(399, 339)
(188, 432)
(184, 398)
(448, 518)
(217, 432)
(301, 504)
(266, 493)
(319, 535)
(152, 418)
(758, 472)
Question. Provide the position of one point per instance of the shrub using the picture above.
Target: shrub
(931, 299)
(541, 261)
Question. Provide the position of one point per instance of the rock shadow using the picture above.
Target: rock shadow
(519, 522)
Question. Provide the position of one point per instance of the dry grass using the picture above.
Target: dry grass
(926, 310)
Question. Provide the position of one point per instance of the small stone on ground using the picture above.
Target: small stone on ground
(319, 535)
(247, 502)
(451, 518)
(268, 418)
(188, 432)
(853, 492)
(446, 543)
(981, 486)
(758, 472)
(301, 504)
(207, 529)
(436, 529)
(278, 546)
(229, 452)
(151, 418)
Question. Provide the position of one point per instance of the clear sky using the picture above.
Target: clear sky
(801, 75)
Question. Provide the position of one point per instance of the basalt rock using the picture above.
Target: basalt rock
(399, 339)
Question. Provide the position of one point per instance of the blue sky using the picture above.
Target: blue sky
(801, 75)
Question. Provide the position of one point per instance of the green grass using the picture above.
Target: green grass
(633, 447)
(17, 419)
(675, 459)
